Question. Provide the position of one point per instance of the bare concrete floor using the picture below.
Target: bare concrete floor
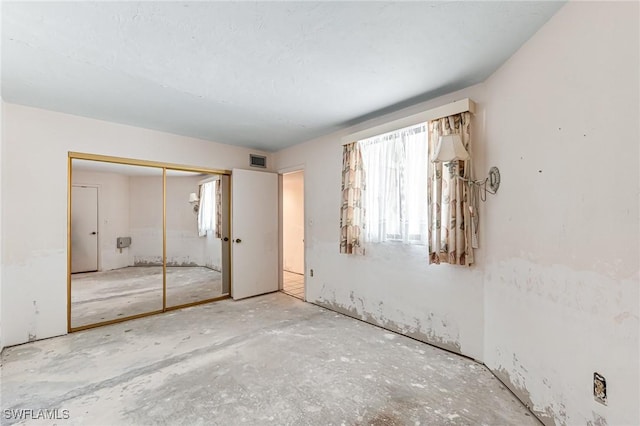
(271, 359)
(293, 284)
(104, 296)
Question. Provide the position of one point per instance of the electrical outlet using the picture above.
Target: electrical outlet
(311, 272)
(599, 388)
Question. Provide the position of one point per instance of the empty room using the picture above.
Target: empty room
(320, 213)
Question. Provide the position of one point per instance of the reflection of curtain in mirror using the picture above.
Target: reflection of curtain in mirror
(218, 208)
(207, 212)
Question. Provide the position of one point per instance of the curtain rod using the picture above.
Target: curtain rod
(452, 108)
(208, 179)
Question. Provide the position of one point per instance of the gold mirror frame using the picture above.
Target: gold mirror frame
(144, 163)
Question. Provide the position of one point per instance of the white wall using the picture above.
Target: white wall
(391, 286)
(34, 148)
(146, 216)
(184, 246)
(553, 295)
(113, 215)
(1, 234)
(213, 252)
(293, 222)
(122, 197)
(562, 257)
(1, 174)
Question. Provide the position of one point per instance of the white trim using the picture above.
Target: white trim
(452, 108)
(291, 169)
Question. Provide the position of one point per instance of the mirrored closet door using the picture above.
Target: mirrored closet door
(112, 206)
(143, 238)
(196, 237)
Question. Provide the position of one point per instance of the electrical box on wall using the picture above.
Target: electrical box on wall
(123, 242)
(599, 388)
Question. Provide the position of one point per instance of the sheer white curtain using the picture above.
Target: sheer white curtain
(207, 211)
(395, 199)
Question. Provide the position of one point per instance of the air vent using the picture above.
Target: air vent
(258, 160)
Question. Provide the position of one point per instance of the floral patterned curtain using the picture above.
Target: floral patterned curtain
(218, 190)
(450, 228)
(351, 210)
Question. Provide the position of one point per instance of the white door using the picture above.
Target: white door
(84, 229)
(254, 233)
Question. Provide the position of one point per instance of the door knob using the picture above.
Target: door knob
(238, 240)
(225, 239)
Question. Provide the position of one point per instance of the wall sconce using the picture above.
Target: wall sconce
(450, 148)
(195, 201)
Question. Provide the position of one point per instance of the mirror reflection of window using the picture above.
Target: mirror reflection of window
(194, 245)
(210, 198)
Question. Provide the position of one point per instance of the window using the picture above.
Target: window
(395, 195)
(207, 209)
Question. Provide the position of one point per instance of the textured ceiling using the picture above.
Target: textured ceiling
(264, 75)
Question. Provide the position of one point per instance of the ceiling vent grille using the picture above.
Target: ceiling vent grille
(258, 161)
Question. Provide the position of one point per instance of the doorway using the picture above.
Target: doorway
(293, 282)
(84, 235)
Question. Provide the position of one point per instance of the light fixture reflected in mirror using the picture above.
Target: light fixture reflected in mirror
(195, 201)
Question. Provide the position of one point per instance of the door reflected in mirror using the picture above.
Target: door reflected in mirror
(195, 228)
(116, 241)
